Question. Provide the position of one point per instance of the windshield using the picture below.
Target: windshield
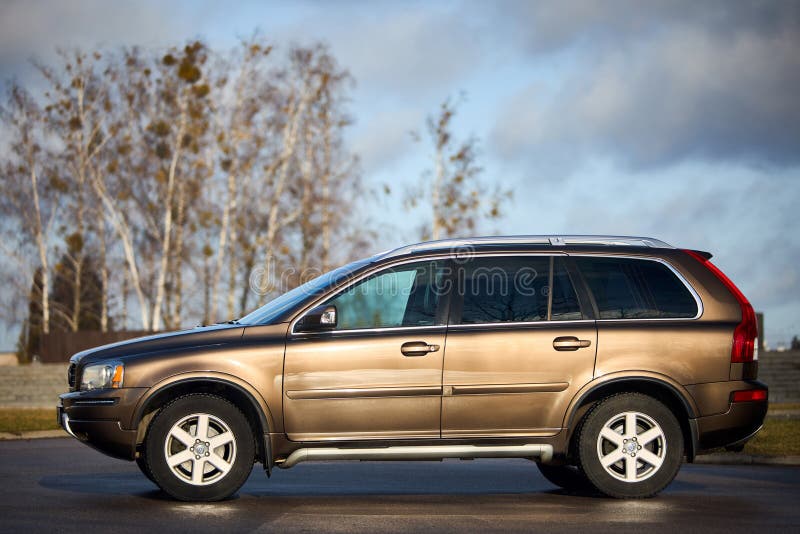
(277, 307)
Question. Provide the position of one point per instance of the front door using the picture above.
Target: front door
(378, 374)
(518, 347)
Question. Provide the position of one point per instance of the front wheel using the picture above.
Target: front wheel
(200, 448)
(143, 467)
(567, 477)
(630, 446)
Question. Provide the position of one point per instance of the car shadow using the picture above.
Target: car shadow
(352, 479)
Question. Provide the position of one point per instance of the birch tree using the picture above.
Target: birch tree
(77, 103)
(177, 168)
(459, 199)
(31, 190)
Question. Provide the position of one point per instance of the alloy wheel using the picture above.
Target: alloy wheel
(631, 446)
(200, 449)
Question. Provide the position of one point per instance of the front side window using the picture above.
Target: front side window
(628, 288)
(515, 289)
(403, 296)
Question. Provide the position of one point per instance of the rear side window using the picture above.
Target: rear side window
(627, 288)
(515, 289)
(565, 305)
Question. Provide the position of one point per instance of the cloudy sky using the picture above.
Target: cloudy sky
(679, 120)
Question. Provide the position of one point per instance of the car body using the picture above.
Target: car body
(481, 347)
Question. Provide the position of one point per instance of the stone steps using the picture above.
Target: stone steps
(32, 386)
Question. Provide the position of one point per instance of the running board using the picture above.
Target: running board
(431, 452)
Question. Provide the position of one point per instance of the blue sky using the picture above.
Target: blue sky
(679, 120)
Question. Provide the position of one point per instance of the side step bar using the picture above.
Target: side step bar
(432, 452)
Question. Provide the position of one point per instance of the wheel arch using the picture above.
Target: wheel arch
(236, 391)
(675, 397)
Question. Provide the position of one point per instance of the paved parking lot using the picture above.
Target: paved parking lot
(59, 485)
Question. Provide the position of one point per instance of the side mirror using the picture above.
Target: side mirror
(318, 319)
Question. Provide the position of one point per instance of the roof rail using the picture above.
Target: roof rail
(562, 240)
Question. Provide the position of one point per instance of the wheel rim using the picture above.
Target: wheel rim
(200, 449)
(631, 447)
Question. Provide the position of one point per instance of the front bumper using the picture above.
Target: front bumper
(102, 419)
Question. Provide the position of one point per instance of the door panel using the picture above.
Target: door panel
(379, 373)
(519, 347)
(361, 386)
(501, 381)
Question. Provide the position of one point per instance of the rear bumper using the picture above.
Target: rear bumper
(99, 418)
(734, 427)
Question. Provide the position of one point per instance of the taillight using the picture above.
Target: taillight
(746, 332)
(750, 395)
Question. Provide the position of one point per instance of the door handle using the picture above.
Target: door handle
(570, 343)
(417, 348)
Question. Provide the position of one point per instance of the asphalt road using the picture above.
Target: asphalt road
(59, 485)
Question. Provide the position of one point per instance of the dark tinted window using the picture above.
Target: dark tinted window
(514, 289)
(565, 301)
(407, 295)
(627, 288)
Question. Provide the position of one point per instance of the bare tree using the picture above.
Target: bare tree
(176, 168)
(459, 200)
(27, 196)
(77, 103)
(240, 138)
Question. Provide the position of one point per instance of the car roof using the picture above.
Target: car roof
(470, 244)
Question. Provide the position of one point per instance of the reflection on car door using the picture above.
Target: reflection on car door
(378, 374)
(519, 346)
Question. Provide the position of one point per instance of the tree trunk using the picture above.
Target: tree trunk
(101, 229)
(308, 236)
(289, 143)
(166, 233)
(326, 194)
(125, 290)
(249, 263)
(206, 290)
(123, 231)
(436, 194)
(42, 246)
(223, 240)
(178, 264)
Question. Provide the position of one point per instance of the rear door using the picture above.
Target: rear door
(519, 346)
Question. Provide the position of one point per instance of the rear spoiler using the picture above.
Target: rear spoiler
(703, 253)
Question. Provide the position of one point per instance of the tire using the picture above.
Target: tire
(567, 477)
(142, 463)
(630, 446)
(217, 460)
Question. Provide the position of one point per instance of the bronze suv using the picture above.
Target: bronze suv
(606, 360)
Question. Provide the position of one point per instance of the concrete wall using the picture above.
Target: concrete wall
(39, 385)
(781, 372)
(32, 386)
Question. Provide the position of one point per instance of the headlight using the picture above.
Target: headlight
(102, 376)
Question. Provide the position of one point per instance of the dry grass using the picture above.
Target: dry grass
(784, 406)
(17, 420)
(779, 437)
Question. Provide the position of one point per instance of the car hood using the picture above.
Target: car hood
(196, 337)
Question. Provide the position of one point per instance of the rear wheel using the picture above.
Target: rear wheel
(200, 448)
(630, 446)
(567, 477)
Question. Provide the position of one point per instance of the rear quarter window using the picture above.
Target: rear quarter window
(628, 288)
